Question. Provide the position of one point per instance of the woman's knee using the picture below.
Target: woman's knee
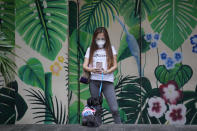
(114, 111)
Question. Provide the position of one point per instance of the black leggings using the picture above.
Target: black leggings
(109, 92)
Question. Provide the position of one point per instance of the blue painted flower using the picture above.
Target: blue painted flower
(148, 37)
(178, 56)
(163, 56)
(169, 63)
(193, 40)
(153, 44)
(194, 49)
(156, 36)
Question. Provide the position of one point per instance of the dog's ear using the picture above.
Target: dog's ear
(90, 101)
(95, 102)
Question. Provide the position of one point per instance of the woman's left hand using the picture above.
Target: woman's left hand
(103, 71)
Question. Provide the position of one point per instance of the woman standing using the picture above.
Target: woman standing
(100, 58)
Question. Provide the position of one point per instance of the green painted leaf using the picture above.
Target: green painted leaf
(175, 20)
(48, 84)
(32, 73)
(48, 93)
(85, 94)
(85, 41)
(190, 100)
(7, 16)
(7, 45)
(123, 51)
(8, 67)
(21, 106)
(196, 88)
(73, 112)
(43, 25)
(42, 108)
(72, 16)
(129, 9)
(97, 13)
(181, 74)
(7, 106)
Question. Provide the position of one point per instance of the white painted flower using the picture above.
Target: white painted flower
(176, 114)
(157, 107)
(170, 92)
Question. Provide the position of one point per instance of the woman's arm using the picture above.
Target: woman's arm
(89, 69)
(85, 65)
(114, 67)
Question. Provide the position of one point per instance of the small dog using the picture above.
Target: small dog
(91, 115)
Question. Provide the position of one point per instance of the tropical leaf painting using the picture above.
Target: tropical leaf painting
(8, 67)
(133, 97)
(108, 119)
(130, 10)
(72, 17)
(43, 25)
(174, 20)
(85, 41)
(7, 18)
(45, 112)
(181, 74)
(190, 99)
(73, 114)
(7, 39)
(12, 105)
(33, 73)
(97, 13)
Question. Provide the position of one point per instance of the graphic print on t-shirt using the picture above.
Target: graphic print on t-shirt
(99, 59)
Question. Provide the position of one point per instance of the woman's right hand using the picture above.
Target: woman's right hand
(90, 69)
(96, 70)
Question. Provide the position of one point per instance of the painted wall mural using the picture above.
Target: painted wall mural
(155, 82)
(38, 31)
(11, 100)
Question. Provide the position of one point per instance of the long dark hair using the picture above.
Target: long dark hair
(107, 46)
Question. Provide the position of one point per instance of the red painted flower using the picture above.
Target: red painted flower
(170, 92)
(176, 114)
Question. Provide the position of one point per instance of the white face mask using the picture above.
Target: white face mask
(100, 43)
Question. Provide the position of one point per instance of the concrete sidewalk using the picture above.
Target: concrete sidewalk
(109, 127)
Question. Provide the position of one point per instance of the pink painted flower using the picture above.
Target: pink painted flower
(157, 107)
(176, 114)
(170, 92)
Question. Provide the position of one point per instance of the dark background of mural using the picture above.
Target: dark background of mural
(171, 25)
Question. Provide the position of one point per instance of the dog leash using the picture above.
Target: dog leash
(101, 85)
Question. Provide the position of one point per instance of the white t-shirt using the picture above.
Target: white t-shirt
(100, 59)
